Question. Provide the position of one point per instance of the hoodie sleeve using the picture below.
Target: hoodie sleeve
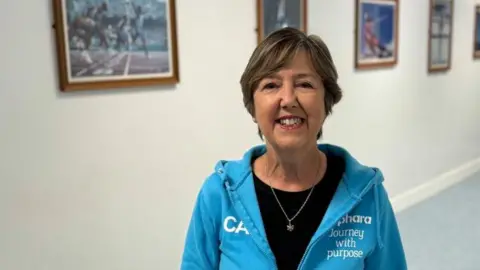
(201, 249)
(389, 252)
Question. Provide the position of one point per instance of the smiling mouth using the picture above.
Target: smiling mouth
(290, 123)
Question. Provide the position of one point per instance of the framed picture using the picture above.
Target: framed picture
(440, 35)
(476, 35)
(376, 33)
(276, 14)
(104, 44)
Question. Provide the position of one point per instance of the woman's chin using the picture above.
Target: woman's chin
(291, 143)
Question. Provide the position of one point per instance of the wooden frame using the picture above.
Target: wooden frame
(299, 21)
(440, 33)
(121, 61)
(376, 33)
(476, 34)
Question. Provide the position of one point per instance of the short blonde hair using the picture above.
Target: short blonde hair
(276, 51)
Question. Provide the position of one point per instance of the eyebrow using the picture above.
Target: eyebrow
(296, 76)
(305, 75)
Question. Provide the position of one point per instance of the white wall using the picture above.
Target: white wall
(106, 179)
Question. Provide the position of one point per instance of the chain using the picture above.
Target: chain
(290, 226)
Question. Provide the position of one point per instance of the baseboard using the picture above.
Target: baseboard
(435, 186)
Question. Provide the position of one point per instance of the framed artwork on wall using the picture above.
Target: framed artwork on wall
(440, 35)
(476, 35)
(105, 44)
(276, 14)
(376, 33)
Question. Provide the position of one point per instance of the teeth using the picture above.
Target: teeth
(290, 121)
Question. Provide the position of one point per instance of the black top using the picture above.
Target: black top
(289, 247)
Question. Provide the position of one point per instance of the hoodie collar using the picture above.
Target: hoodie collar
(357, 178)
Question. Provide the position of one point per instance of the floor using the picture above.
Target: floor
(443, 232)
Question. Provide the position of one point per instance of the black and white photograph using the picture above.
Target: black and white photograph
(115, 43)
(277, 14)
(440, 35)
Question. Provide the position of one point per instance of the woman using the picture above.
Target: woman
(292, 203)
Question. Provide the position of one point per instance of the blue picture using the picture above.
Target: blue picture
(376, 33)
(440, 35)
(116, 42)
(477, 32)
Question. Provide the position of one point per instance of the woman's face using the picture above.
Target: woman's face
(289, 105)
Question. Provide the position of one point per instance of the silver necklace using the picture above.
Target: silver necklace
(290, 226)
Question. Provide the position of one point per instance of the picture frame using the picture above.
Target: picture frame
(476, 34)
(376, 34)
(276, 14)
(440, 35)
(115, 43)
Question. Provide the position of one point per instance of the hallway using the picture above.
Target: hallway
(443, 232)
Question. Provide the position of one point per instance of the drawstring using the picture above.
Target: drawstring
(379, 219)
(229, 192)
(221, 172)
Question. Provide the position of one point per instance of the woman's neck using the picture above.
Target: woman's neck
(295, 171)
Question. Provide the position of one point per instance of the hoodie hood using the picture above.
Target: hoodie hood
(357, 178)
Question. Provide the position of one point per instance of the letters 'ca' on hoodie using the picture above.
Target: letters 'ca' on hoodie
(358, 231)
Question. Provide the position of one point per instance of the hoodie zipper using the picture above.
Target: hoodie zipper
(309, 248)
(270, 259)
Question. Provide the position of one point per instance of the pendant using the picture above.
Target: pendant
(290, 227)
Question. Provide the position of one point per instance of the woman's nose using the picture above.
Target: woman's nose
(288, 96)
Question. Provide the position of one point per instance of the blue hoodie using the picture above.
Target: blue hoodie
(358, 231)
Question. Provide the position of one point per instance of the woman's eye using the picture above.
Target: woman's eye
(270, 86)
(306, 85)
